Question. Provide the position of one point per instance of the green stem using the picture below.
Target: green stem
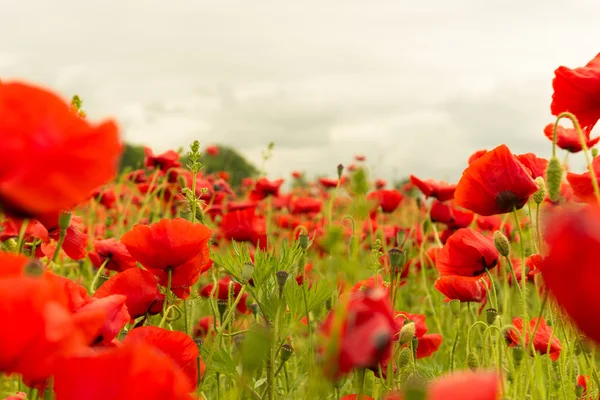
(21, 238)
(97, 276)
(167, 292)
(455, 344)
(61, 240)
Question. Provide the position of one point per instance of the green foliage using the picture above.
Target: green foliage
(231, 161)
(132, 157)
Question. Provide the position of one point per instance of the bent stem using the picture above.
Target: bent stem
(586, 150)
(97, 276)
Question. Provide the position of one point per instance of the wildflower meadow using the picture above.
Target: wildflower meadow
(170, 281)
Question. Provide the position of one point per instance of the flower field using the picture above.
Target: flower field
(170, 282)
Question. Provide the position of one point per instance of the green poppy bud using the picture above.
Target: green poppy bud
(286, 352)
(538, 197)
(490, 315)
(281, 279)
(472, 361)
(502, 244)
(64, 220)
(396, 257)
(554, 178)
(247, 271)
(517, 354)
(407, 332)
(455, 307)
(303, 241)
(405, 357)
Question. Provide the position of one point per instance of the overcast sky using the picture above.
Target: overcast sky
(415, 86)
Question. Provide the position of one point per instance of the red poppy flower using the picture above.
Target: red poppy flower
(107, 197)
(164, 161)
(440, 190)
(113, 253)
(541, 340)
(222, 292)
(478, 154)
(570, 269)
(532, 265)
(535, 164)
(241, 205)
(264, 188)
(297, 174)
(447, 213)
(212, 150)
(568, 138)
(18, 396)
(174, 245)
(467, 253)
(12, 265)
(177, 345)
(11, 227)
(75, 240)
(245, 226)
(366, 337)
(305, 205)
(140, 288)
(496, 183)
(360, 157)
(204, 326)
(466, 385)
(577, 90)
(380, 184)
(463, 288)
(329, 183)
(40, 133)
(388, 200)
(581, 184)
(136, 371)
(47, 331)
(115, 316)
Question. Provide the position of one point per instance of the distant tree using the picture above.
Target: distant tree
(228, 160)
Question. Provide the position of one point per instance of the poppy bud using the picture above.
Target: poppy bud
(501, 243)
(303, 241)
(594, 152)
(490, 315)
(64, 220)
(472, 361)
(396, 257)
(340, 170)
(11, 245)
(222, 306)
(281, 279)
(407, 332)
(247, 271)
(579, 389)
(553, 178)
(426, 226)
(517, 354)
(455, 307)
(404, 358)
(34, 268)
(254, 309)
(538, 197)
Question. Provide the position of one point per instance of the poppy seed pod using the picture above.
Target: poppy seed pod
(455, 307)
(396, 257)
(407, 332)
(340, 170)
(538, 197)
(64, 220)
(472, 361)
(553, 178)
(517, 354)
(490, 315)
(34, 268)
(247, 271)
(222, 306)
(281, 278)
(286, 352)
(404, 358)
(303, 241)
(501, 243)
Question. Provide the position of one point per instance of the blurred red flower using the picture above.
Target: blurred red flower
(164, 161)
(113, 253)
(442, 191)
(467, 253)
(568, 138)
(541, 340)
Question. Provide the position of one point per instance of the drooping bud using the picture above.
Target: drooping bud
(247, 271)
(455, 307)
(502, 244)
(303, 241)
(396, 258)
(517, 354)
(490, 316)
(472, 361)
(538, 197)
(64, 220)
(407, 332)
(281, 279)
(286, 352)
(553, 178)
(405, 357)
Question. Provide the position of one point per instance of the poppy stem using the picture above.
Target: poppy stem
(61, 240)
(539, 320)
(493, 284)
(523, 274)
(169, 279)
(97, 276)
(514, 276)
(586, 150)
(22, 232)
(455, 343)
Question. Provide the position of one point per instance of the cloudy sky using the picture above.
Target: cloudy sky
(415, 86)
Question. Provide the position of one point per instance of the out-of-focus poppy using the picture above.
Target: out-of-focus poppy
(570, 269)
(40, 133)
(245, 226)
(496, 183)
(576, 91)
(176, 245)
(447, 213)
(581, 184)
(136, 371)
(177, 345)
(467, 253)
(463, 288)
(466, 385)
(388, 200)
(115, 316)
(75, 240)
(164, 161)
(264, 187)
(140, 288)
(305, 205)
(541, 340)
(212, 150)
